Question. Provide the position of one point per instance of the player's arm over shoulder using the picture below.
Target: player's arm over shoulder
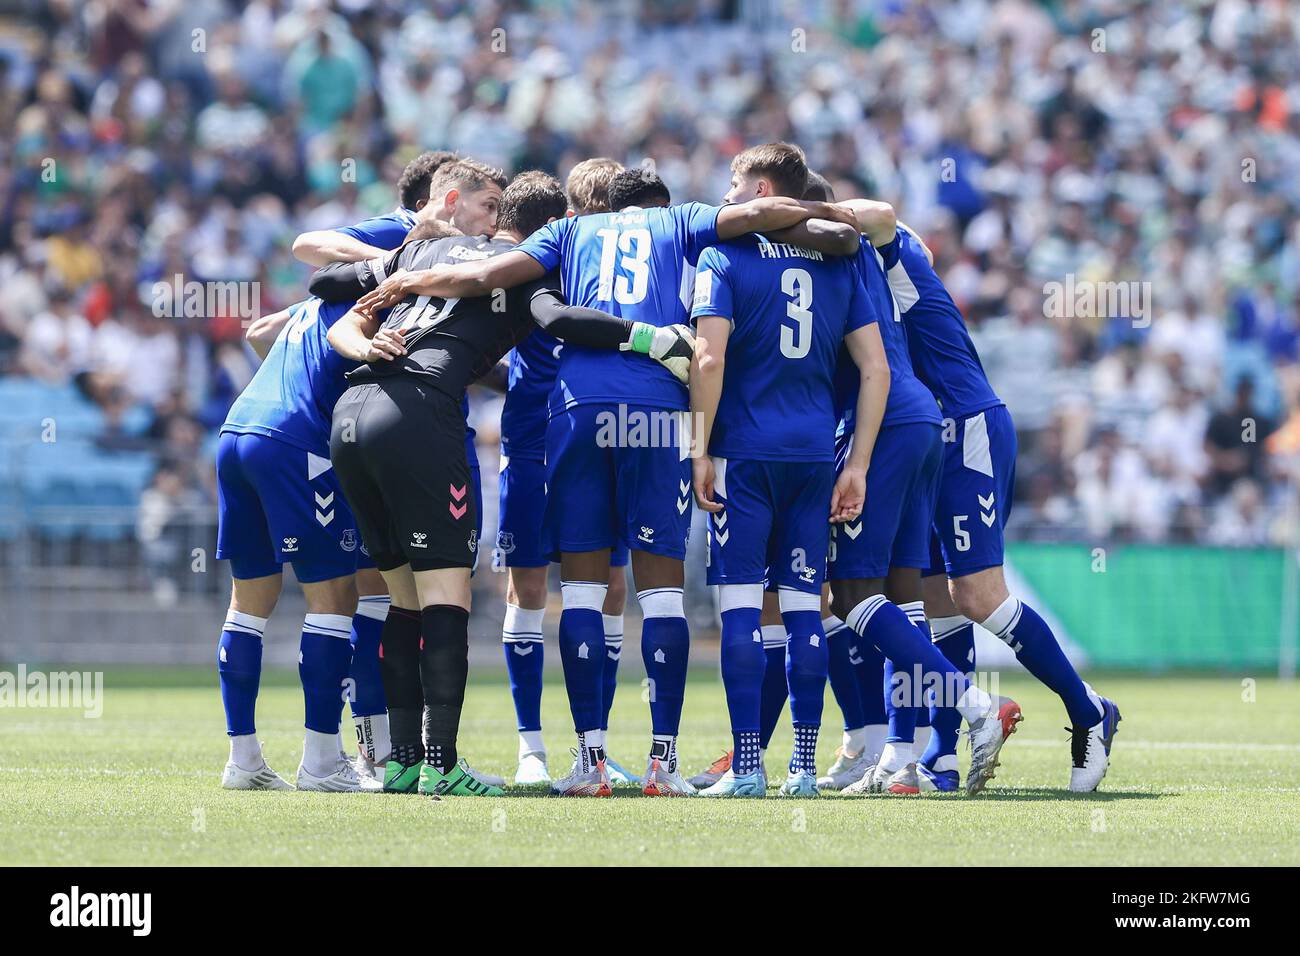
(875, 219)
(320, 247)
(477, 277)
(770, 213)
(820, 235)
(348, 281)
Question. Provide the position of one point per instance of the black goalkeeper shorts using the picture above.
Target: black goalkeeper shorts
(398, 447)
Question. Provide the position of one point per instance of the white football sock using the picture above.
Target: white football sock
(854, 741)
(974, 703)
(895, 756)
(530, 742)
(246, 752)
(373, 738)
(874, 741)
(320, 753)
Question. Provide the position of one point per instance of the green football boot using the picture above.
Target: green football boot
(459, 781)
(400, 779)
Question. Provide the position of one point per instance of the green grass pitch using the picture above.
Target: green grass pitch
(1200, 775)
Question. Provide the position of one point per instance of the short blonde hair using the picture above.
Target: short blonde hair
(588, 184)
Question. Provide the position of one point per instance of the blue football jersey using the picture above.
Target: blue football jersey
(909, 399)
(941, 349)
(638, 264)
(384, 232)
(534, 363)
(292, 395)
(790, 309)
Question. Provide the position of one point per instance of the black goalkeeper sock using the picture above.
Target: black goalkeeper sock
(408, 754)
(444, 669)
(399, 666)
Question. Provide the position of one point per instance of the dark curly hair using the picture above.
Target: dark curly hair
(413, 186)
(637, 187)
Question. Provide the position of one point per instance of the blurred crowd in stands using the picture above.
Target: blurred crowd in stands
(1150, 144)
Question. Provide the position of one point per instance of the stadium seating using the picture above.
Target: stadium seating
(42, 479)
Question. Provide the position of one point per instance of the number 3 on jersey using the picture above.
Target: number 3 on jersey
(796, 342)
(632, 250)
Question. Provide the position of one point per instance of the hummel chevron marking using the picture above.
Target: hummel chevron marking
(523, 651)
(988, 519)
(723, 537)
(682, 505)
(853, 530)
(683, 487)
(324, 519)
(458, 493)
(457, 511)
(986, 503)
(720, 519)
(324, 501)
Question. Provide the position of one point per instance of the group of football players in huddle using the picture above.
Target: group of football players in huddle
(789, 364)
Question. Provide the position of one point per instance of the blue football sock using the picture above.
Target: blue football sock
(521, 636)
(840, 669)
(955, 638)
(582, 651)
(613, 626)
(665, 650)
(806, 665)
(775, 688)
(745, 753)
(239, 665)
(1019, 627)
(367, 681)
(915, 611)
(324, 658)
(804, 757)
(743, 666)
(914, 657)
(900, 716)
(869, 673)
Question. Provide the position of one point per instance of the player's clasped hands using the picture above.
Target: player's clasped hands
(387, 345)
(849, 496)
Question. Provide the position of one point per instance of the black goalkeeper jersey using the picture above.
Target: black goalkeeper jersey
(450, 342)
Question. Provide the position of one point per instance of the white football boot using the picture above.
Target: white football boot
(532, 770)
(904, 782)
(343, 779)
(874, 780)
(263, 778)
(660, 781)
(987, 735)
(1090, 747)
(847, 769)
(592, 781)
